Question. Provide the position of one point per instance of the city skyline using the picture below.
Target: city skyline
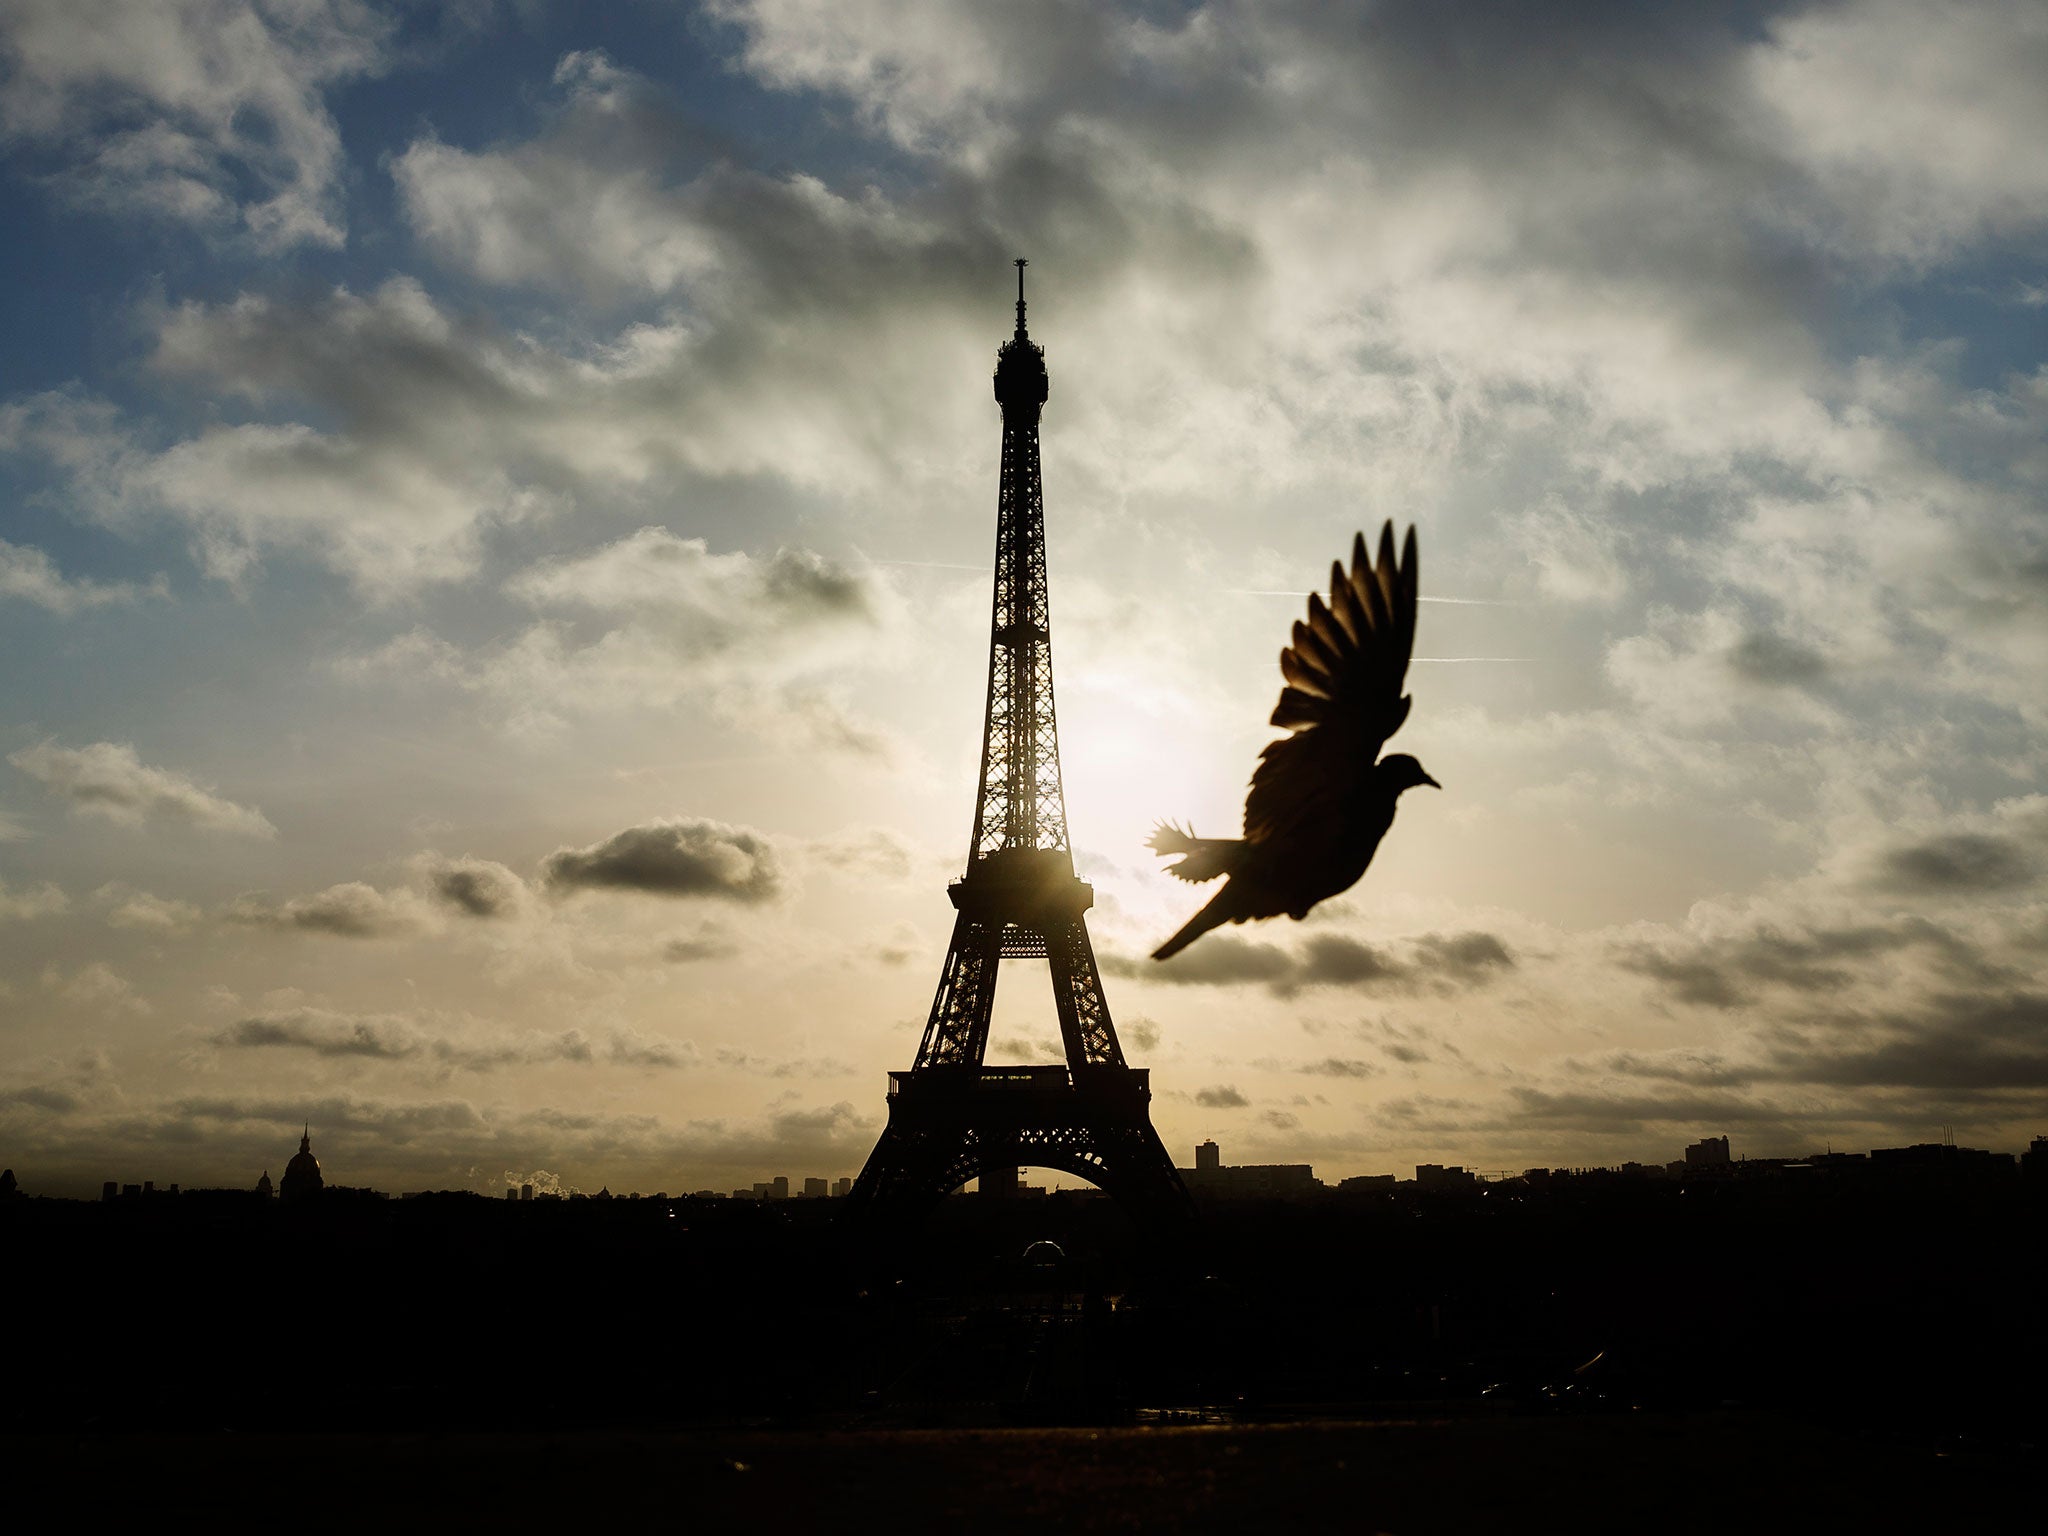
(496, 511)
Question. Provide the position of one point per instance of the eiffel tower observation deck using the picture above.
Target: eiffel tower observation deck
(953, 1117)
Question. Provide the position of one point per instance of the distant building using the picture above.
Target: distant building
(843, 1187)
(2034, 1161)
(1001, 1181)
(1938, 1159)
(302, 1178)
(817, 1189)
(1362, 1183)
(1437, 1176)
(264, 1188)
(1707, 1152)
(778, 1188)
(1248, 1181)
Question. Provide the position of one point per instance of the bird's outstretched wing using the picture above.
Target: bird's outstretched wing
(1201, 858)
(1343, 699)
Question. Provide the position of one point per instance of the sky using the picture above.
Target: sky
(496, 508)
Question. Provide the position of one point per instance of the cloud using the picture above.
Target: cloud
(1957, 1043)
(1900, 118)
(1338, 1066)
(130, 908)
(708, 942)
(390, 1037)
(871, 853)
(1463, 959)
(1330, 959)
(683, 857)
(1140, 1033)
(1219, 960)
(377, 1037)
(1961, 863)
(507, 215)
(29, 576)
(108, 779)
(95, 988)
(477, 888)
(45, 900)
(1763, 657)
(350, 910)
(203, 112)
(1435, 963)
(708, 601)
(803, 1066)
(1222, 1096)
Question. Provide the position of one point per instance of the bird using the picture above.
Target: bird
(1322, 797)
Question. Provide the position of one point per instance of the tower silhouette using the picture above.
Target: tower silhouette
(951, 1117)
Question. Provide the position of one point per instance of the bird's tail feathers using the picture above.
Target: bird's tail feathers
(1212, 915)
(1201, 858)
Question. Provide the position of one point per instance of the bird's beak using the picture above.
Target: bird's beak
(1432, 783)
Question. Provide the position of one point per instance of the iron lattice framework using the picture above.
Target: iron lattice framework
(950, 1117)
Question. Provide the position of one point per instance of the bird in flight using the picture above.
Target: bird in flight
(1322, 797)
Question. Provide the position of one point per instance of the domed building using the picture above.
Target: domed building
(302, 1174)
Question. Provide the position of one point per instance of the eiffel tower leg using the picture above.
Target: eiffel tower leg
(1085, 1028)
(956, 1034)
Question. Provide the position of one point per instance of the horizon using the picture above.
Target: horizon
(497, 510)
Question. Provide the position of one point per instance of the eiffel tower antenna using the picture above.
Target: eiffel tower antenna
(951, 1117)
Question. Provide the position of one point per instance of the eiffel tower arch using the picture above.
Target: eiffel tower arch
(952, 1117)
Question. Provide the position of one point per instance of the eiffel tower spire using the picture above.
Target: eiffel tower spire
(950, 1117)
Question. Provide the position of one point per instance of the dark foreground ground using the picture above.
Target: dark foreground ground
(1720, 1471)
(1589, 1357)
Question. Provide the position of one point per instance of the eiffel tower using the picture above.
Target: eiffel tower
(951, 1117)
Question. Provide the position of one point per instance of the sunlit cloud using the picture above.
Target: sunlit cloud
(108, 779)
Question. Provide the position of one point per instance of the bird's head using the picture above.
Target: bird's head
(1400, 771)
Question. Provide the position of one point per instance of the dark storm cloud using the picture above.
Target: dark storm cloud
(804, 581)
(1219, 960)
(1605, 1113)
(324, 1034)
(1951, 1043)
(1690, 1067)
(1222, 1096)
(1439, 963)
(1726, 973)
(1463, 959)
(1762, 657)
(1960, 863)
(41, 1096)
(684, 857)
(1331, 960)
(386, 1037)
(476, 887)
